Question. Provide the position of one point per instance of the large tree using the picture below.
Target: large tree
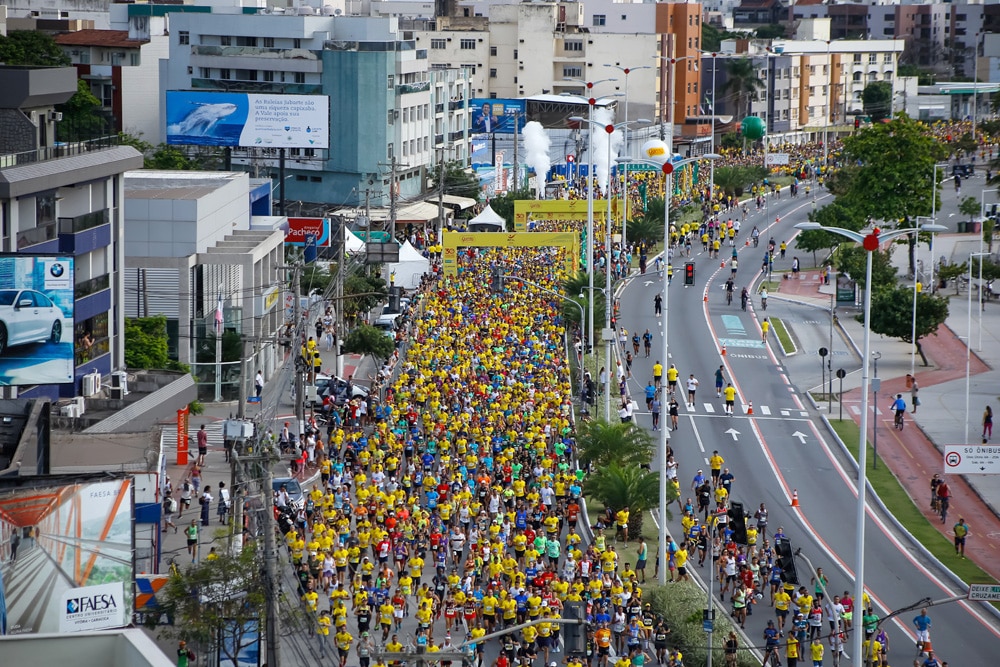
(892, 315)
(834, 214)
(618, 486)
(742, 81)
(891, 182)
(852, 260)
(876, 100)
(32, 49)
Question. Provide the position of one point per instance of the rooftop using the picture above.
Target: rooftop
(115, 39)
(154, 184)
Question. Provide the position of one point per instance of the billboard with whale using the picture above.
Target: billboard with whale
(248, 119)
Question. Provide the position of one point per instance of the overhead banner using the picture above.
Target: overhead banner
(561, 209)
(452, 241)
(248, 119)
(497, 116)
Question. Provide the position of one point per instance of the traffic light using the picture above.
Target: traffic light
(738, 522)
(689, 273)
(857, 122)
(496, 281)
(786, 560)
(575, 634)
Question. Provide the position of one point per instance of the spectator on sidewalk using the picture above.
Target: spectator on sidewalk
(202, 445)
(987, 423)
(206, 503)
(259, 383)
(169, 507)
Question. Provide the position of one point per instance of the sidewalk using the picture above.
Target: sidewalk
(915, 454)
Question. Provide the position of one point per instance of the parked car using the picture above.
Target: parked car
(325, 385)
(388, 324)
(27, 316)
(294, 490)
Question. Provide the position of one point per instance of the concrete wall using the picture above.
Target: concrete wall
(17, 133)
(125, 648)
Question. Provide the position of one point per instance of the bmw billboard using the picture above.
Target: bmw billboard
(36, 319)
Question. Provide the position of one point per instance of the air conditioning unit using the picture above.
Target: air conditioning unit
(55, 115)
(91, 384)
(70, 411)
(81, 404)
(117, 394)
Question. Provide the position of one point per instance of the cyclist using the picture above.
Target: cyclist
(755, 235)
(744, 297)
(899, 405)
(943, 496)
(730, 286)
(763, 298)
(771, 637)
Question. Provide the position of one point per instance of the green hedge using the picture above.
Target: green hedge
(682, 604)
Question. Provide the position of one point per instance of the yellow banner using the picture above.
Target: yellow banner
(561, 209)
(569, 241)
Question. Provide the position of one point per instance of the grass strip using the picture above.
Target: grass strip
(782, 333)
(895, 497)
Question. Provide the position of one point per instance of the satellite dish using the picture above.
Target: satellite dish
(338, 12)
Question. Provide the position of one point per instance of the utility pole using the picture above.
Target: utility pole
(297, 350)
(517, 184)
(440, 233)
(241, 410)
(339, 295)
(392, 197)
(271, 568)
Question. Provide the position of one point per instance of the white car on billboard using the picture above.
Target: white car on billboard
(28, 316)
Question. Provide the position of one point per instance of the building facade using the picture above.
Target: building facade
(66, 199)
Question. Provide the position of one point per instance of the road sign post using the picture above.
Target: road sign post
(841, 374)
(822, 369)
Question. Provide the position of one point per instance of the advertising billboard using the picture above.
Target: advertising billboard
(36, 319)
(299, 228)
(65, 556)
(499, 116)
(248, 119)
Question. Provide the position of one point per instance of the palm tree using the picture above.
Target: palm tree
(647, 229)
(618, 486)
(577, 288)
(742, 81)
(601, 443)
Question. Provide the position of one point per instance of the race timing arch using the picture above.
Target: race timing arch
(452, 241)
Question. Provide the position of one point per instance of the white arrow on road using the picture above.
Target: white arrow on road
(733, 432)
(801, 436)
(647, 283)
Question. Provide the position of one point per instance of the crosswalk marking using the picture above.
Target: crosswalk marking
(764, 410)
(855, 409)
(784, 413)
(709, 407)
(803, 414)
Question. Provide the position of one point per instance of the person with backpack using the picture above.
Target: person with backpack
(169, 507)
(186, 490)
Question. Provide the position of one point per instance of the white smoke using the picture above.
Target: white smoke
(536, 144)
(602, 166)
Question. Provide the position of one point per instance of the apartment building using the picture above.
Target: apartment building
(65, 199)
(813, 83)
(384, 98)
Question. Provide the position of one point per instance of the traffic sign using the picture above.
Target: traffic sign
(707, 625)
(972, 459)
(570, 158)
(987, 592)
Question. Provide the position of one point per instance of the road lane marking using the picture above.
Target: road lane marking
(709, 407)
(764, 410)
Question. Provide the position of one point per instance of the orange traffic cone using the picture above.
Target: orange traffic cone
(795, 498)
(706, 297)
(723, 350)
(927, 648)
(722, 265)
(750, 408)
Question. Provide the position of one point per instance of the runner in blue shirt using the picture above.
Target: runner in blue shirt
(650, 395)
(923, 625)
(771, 636)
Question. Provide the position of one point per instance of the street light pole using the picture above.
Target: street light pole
(916, 271)
(968, 345)
(667, 168)
(826, 125)
(626, 71)
(871, 243)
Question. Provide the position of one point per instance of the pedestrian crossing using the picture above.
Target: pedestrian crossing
(762, 410)
(856, 409)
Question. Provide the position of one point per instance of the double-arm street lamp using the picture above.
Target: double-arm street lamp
(625, 72)
(871, 242)
(667, 168)
(608, 334)
(591, 101)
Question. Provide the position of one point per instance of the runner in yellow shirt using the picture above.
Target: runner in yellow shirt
(730, 392)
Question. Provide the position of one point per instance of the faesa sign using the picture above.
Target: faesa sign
(93, 608)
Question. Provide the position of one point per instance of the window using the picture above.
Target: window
(572, 72)
(812, 70)
(390, 117)
(439, 43)
(812, 90)
(246, 75)
(515, 54)
(389, 151)
(624, 17)
(269, 42)
(205, 72)
(888, 32)
(246, 41)
(493, 72)
(300, 77)
(857, 77)
(573, 45)
(467, 44)
(872, 58)
(183, 37)
(226, 40)
(887, 59)
(301, 177)
(390, 81)
(268, 75)
(857, 58)
(315, 179)
(224, 74)
(493, 51)
(872, 77)
(600, 19)
(296, 43)
(887, 76)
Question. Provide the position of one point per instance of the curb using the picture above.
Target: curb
(955, 579)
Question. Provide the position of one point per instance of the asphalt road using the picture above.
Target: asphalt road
(783, 447)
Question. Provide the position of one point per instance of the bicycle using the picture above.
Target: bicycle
(898, 421)
(729, 298)
(943, 502)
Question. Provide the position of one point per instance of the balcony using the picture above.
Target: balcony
(92, 286)
(456, 105)
(254, 52)
(60, 150)
(231, 85)
(85, 233)
(438, 139)
(85, 221)
(439, 107)
(417, 87)
(456, 136)
(36, 236)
